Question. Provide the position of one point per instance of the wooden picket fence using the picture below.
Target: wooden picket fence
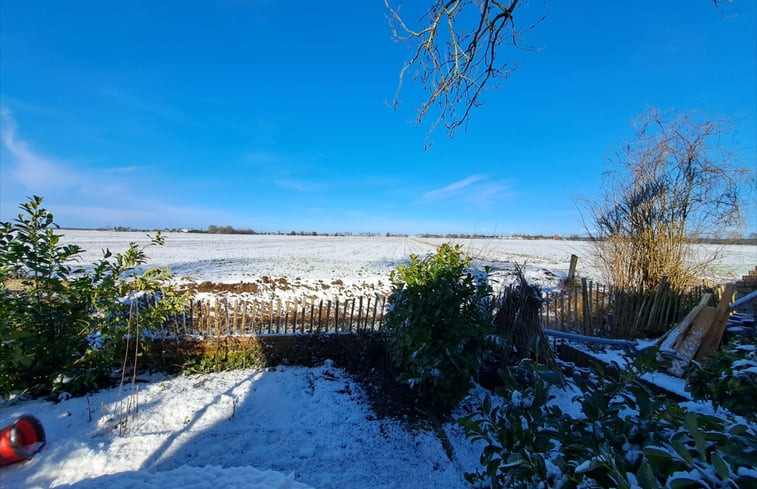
(600, 310)
(589, 308)
(220, 316)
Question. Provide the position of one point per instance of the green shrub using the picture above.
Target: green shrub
(625, 435)
(728, 378)
(438, 320)
(63, 329)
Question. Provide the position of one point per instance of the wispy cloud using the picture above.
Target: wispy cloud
(475, 190)
(32, 169)
(452, 189)
(106, 196)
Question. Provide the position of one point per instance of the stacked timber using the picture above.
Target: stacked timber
(699, 334)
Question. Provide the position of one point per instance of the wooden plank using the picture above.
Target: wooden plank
(304, 308)
(654, 311)
(270, 317)
(243, 326)
(586, 307)
(689, 343)
(278, 316)
(336, 315)
(360, 315)
(236, 320)
(670, 339)
(375, 310)
(352, 314)
(294, 327)
(320, 314)
(714, 335)
(383, 309)
(253, 317)
(216, 316)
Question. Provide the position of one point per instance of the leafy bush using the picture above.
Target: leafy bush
(63, 329)
(438, 321)
(625, 436)
(728, 378)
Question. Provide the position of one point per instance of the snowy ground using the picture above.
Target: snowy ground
(288, 428)
(344, 266)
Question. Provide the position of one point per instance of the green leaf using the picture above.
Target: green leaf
(684, 483)
(646, 478)
(681, 450)
(721, 466)
(658, 456)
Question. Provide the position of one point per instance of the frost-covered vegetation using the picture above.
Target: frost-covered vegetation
(64, 330)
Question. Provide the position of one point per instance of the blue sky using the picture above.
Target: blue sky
(273, 115)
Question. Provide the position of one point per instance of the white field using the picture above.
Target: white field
(343, 266)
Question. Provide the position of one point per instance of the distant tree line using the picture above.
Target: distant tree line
(214, 229)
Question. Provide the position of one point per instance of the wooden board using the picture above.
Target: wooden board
(688, 345)
(714, 335)
(673, 337)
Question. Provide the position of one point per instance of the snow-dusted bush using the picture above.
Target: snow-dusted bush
(64, 329)
(625, 436)
(438, 321)
(728, 378)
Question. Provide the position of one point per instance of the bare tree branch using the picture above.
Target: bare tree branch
(454, 57)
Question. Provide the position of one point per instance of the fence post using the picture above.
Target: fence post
(320, 314)
(586, 307)
(375, 309)
(278, 316)
(352, 315)
(270, 317)
(304, 307)
(572, 270)
(328, 314)
(312, 315)
(294, 325)
(336, 316)
(654, 311)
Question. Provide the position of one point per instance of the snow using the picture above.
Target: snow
(279, 428)
(284, 428)
(339, 266)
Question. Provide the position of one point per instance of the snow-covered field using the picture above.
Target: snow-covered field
(286, 428)
(339, 266)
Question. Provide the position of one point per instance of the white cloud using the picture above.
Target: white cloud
(106, 196)
(453, 188)
(475, 189)
(33, 170)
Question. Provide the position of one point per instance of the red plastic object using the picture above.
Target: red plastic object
(20, 440)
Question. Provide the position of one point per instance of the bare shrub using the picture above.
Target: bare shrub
(670, 185)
